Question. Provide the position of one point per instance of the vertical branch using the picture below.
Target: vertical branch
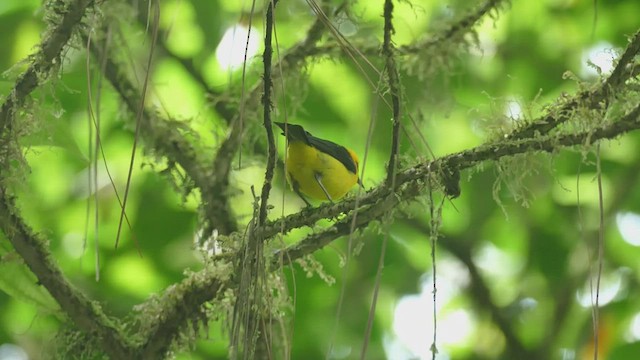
(266, 102)
(433, 237)
(596, 306)
(392, 74)
(250, 337)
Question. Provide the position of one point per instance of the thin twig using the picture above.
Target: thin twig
(431, 43)
(139, 115)
(480, 291)
(596, 305)
(266, 102)
(456, 30)
(165, 138)
(393, 82)
(392, 75)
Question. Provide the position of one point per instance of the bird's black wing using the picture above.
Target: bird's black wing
(337, 151)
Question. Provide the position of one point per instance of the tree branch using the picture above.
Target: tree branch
(436, 41)
(181, 304)
(266, 102)
(392, 77)
(456, 30)
(460, 161)
(379, 201)
(165, 138)
(593, 99)
(86, 314)
(43, 61)
(410, 181)
(222, 163)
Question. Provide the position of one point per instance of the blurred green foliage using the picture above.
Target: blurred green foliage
(518, 228)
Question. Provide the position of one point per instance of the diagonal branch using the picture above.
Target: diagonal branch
(184, 302)
(382, 200)
(86, 314)
(162, 135)
(410, 182)
(43, 61)
(461, 160)
(165, 138)
(591, 98)
(376, 204)
(456, 30)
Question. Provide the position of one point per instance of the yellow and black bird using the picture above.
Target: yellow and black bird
(318, 168)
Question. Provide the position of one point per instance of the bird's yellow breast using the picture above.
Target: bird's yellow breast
(304, 162)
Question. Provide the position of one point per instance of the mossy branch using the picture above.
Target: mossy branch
(164, 137)
(455, 30)
(87, 315)
(452, 33)
(461, 160)
(394, 88)
(181, 304)
(595, 98)
(48, 55)
(410, 184)
(266, 106)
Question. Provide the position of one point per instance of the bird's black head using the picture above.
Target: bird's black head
(294, 132)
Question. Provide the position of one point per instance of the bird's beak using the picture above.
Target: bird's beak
(281, 126)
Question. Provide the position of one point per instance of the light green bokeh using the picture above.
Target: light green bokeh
(184, 37)
(175, 92)
(50, 174)
(134, 275)
(565, 190)
(8, 6)
(345, 90)
(26, 42)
